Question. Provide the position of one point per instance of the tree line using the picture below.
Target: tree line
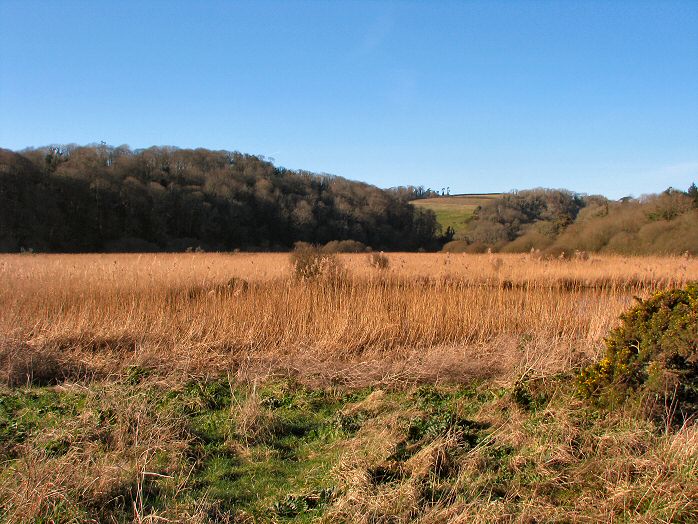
(418, 192)
(103, 198)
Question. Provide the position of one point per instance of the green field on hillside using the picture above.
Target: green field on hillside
(455, 210)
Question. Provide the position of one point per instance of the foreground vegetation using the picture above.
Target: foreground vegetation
(354, 388)
(221, 450)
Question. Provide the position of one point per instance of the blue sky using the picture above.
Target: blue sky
(598, 97)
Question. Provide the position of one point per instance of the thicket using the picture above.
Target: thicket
(310, 262)
(557, 222)
(652, 357)
(345, 246)
(539, 212)
(656, 224)
(103, 198)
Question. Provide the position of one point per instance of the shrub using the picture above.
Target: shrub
(344, 246)
(477, 247)
(455, 246)
(309, 263)
(532, 239)
(653, 355)
(378, 261)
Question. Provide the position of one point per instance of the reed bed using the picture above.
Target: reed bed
(198, 359)
(426, 314)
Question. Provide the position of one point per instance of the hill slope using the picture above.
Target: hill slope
(558, 221)
(455, 210)
(101, 198)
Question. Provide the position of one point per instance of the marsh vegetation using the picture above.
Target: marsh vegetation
(247, 387)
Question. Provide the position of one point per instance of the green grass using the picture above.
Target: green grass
(30, 411)
(271, 452)
(283, 470)
(455, 211)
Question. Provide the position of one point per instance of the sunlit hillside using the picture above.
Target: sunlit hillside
(455, 210)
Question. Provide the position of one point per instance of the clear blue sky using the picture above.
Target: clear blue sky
(598, 97)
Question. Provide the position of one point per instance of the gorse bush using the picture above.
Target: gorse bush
(652, 356)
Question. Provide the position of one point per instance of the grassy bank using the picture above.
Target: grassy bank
(218, 450)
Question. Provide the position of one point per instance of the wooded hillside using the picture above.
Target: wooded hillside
(103, 198)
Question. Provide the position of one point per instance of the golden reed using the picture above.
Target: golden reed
(427, 314)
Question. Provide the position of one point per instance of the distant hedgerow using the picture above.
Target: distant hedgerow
(653, 356)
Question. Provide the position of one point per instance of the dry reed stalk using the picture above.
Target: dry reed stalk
(92, 314)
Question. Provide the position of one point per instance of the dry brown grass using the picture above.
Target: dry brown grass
(106, 464)
(556, 465)
(429, 316)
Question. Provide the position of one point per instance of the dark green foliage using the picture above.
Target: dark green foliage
(101, 198)
(529, 394)
(447, 236)
(652, 356)
(522, 396)
(136, 374)
(212, 394)
(442, 415)
(440, 423)
(350, 423)
(693, 194)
